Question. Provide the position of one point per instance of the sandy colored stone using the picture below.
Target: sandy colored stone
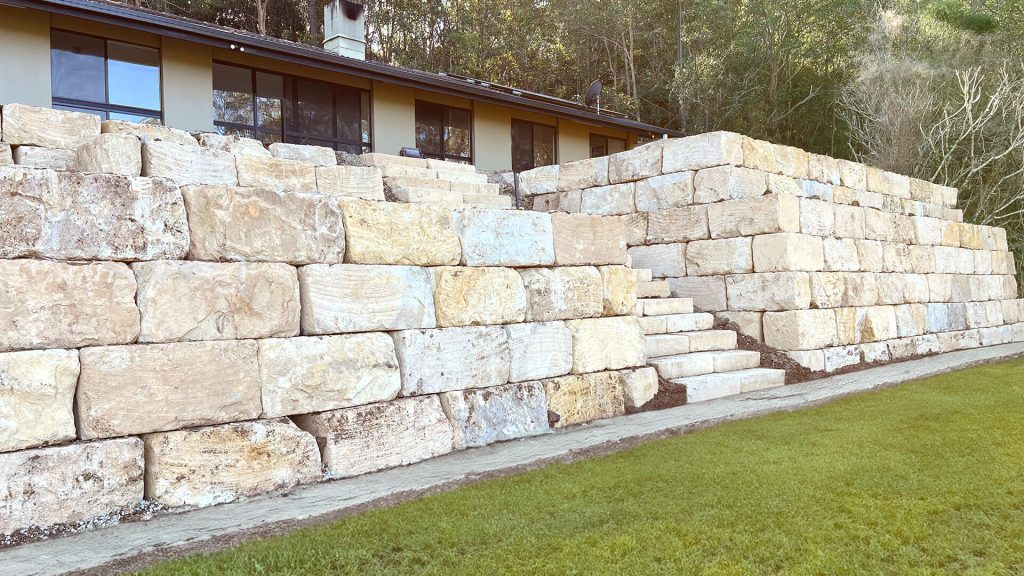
(218, 464)
(315, 155)
(365, 439)
(381, 159)
(753, 216)
(840, 254)
(758, 154)
(71, 484)
(817, 217)
(539, 350)
(728, 183)
(771, 291)
(608, 200)
(313, 374)
(111, 154)
(606, 344)
(852, 174)
(236, 145)
(708, 292)
(186, 164)
(236, 224)
(824, 169)
(449, 359)
(641, 162)
(563, 293)
(787, 252)
(465, 296)
(53, 158)
(725, 256)
(482, 417)
(579, 239)
(639, 386)
(351, 181)
(911, 319)
(394, 233)
(677, 224)
(570, 201)
(276, 174)
(634, 226)
(147, 132)
(151, 388)
(355, 298)
(57, 305)
(747, 323)
(581, 398)
(849, 221)
(505, 237)
(583, 174)
(702, 151)
(871, 324)
(34, 126)
(666, 191)
(540, 180)
(37, 392)
(791, 161)
(6, 155)
(619, 294)
(800, 329)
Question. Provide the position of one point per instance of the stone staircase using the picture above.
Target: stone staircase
(687, 351)
(436, 182)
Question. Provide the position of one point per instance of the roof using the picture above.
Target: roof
(283, 50)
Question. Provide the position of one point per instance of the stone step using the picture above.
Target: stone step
(381, 160)
(462, 176)
(413, 182)
(451, 166)
(428, 196)
(710, 386)
(707, 340)
(487, 200)
(643, 274)
(656, 289)
(403, 171)
(661, 345)
(674, 323)
(475, 188)
(663, 306)
(700, 363)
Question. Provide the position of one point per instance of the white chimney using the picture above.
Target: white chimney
(345, 28)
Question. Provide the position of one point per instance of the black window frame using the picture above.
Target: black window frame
(106, 107)
(533, 140)
(606, 138)
(445, 108)
(284, 134)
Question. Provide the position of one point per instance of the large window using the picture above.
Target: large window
(444, 132)
(279, 108)
(601, 145)
(114, 80)
(533, 145)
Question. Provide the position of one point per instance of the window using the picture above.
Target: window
(114, 80)
(533, 145)
(601, 145)
(279, 108)
(444, 132)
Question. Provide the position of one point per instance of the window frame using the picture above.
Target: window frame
(289, 110)
(106, 107)
(606, 138)
(533, 139)
(443, 155)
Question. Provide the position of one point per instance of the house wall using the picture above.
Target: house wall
(24, 56)
(187, 78)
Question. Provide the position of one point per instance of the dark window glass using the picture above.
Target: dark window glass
(544, 143)
(232, 95)
(77, 67)
(269, 101)
(601, 145)
(350, 111)
(444, 132)
(533, 145)
(315, 108)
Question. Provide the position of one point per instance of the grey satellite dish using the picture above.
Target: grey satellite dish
(593, 97)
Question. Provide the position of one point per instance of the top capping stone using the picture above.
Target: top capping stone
(541, 180)
(450, 166)
(25, 125)
(148, 132)
(702, 151)
(492, 237)
(234, 144)
(583, 174)
(379, 159)
(398, 233)
(315, 155)
(188, 164)
(636, 164)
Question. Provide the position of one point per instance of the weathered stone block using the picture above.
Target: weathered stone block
(315, 155)
(849, 221)
(578, 399)
(852, 174)
(505, 238)
(111, 154)
(664, 260)
(583, 174)
(186, 164)
(678, 224)
(641, 162)
(381, 159)
(608, 200)
(6, 155)
(365, 439)
(639, 386)
(182, 301)
(350, 181)
(634, 226)
(871, 324)
(726, 256)
(478, 296)
(702, 151)
(792, 162)
(313, 374)
(619, 293)
(355, 298)
(747, 323)
(52, 158)
(236, 145)
(393, 233)
(662, 192)
(217, 464)
(927, 231)
(771, 291)
(840, 254)
(570, 201)
(916, 346)
(69, 484)
(482, 417)
(800, 329)
(540, 180)
(750, 217)
(817, 218)
(728, 183)
(824, 169)
(452, 359)
(147, 132)
(276, 174)
(539, 350)
(879, 225)
(708, 292)
(579, 239)
(606, 344)
(812, 189)
(37, 392)
(841, 357)
(813, 360)
(33, 126)
(787, 252)
(57, 305)
(563, 293)
(151, 388)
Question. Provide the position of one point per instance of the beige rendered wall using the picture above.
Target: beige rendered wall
(493, 137)
(394, 117)
(574, 140)
(24, 56)
(187, 80)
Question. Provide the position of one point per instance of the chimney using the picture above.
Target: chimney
(345, 28)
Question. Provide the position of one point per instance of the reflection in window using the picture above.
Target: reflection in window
(444, 132)
(114, 80)
(533, 145)
(601, 145)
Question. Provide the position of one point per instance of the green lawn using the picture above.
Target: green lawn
(923, 478)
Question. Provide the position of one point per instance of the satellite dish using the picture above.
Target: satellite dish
(593, 97)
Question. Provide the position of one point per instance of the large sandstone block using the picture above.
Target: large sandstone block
(111, 154)
(505, 238)
(702, 151)
(147, 132)
(6, 155)
(747, 323)
(824, 169)
(663, 260)
(753, 216)
(728, 183)
(57, 305)
(540, 180)
(758, 154)
(677, 225)
(37, 392)
(539, 350)
(315, 155)
(771, 291)
(840, 254)
(365, 439)
(255, 225)
(787, 252)
(791, 161)
(276, 174)
(635, 227)
(583, 174)
(673, 190)
(871, 324)
(852, 174)
(911, 319)
(606, 344)
(817, 217)
(639, 386)
(72, 216)
(581, 398)
(608, 200)
(636, 164)
(482, 417)
(582, 239)
(800, 329)
(182, 301)
(30, 125)
(449, 359)
(839, 289)
(351, 181)
(186, 164)
(70, 485)
(563, 293)
(708, 292)
(236, 145)
(466, 296)
(712, 257)
(849, 221)
(313, 374)
(151, 388)
(619, 290)
(52, 158)
(395, 233)
(217, 464)
(355, 298)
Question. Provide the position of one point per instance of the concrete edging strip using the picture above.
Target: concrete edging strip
(118, 543)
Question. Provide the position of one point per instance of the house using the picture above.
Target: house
(134, 64)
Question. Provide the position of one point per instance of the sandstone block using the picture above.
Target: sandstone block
(182, 301)
(355, 298)
(817, 218)
(792, 162)
(6, 155)
(217, 464)
(852, 174)
(51, 158)
(581, 398)
(151, 388)
(505, 238)
(916, 346)
(911, 320)
(482, 417)
(111, 154)
(678, 224)
(870, 324)
(636, 164)
(315, 155)
(147, 132)
(69, 485)
(619, 294)
(813, 360)
(478, 296)
(33, 126)
(313, 374)
(840, 254)
(37, 392)
(276, 174)
(449, 359)
(871, 255)
(634, 226)
(393, 233)
(787, 252)
(583, 174)
(812, 189)
(606, 344)
(895, 257)
(186, 164)
(365, 439)
(702, 151)
(539, 350)
(570, 201)
(540, 180)
(750, 217)
(664, 260)
(667, 191)
(771, 291)
(800, 329)
(746, 323)
(728, 183)
(380, 159)
(350, 181)
(639, 386)
(837, 289)
(824, 169)
(708, 292)
(778, 184)
(579, 239)
(608, 200)
(57, 305)
(563, 293)
(841, 357)
(879, 225)
(712, 257)
(927, 231)
(849, 221)
(236, 145)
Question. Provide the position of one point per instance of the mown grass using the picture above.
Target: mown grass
(924, 478)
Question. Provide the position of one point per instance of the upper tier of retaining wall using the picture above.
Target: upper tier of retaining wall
(836, 262)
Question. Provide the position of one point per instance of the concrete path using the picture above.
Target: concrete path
(210, 528)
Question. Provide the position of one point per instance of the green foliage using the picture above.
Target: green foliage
(956, 14)
(924, 478)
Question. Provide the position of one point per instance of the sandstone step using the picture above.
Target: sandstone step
(413, 182)
(451, 166)
(675, 323)
(643, 274)
(661, 345)
(663, 306)
(381, 160)
(475, 188)
(656, 289)
(462, 176)
(700, 363)
(710, 386)
(487, 200)
(428, 196)
(401, 170)
(708, 340)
